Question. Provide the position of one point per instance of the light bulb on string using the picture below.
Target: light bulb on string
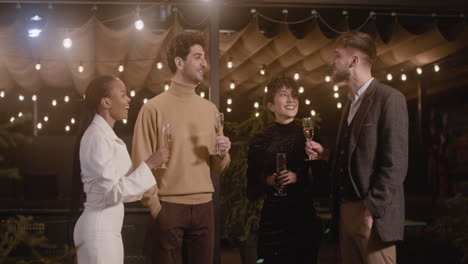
(2, 94)
(307, 101)
(403, 77)
(312, 112)
(202, 94)
(419, 71)
(132, 93)
(159, 65)
(436, 68)
(20, 114)
(389, 77)
(266, 89)
(66, 98)
(34, 98)
(38, 66)
(229, 101)
(327, 78)
(336, 95)
(121, 68)
(263, 70)
(145, 100)
(46, 118)
(67, 43)
(54, 102)
(12, 119)
(139, 24)
(67, 128)
(21, 97)
(256, 104)
(232, 85)
(166, 86)
(229, 63)
(296, 76)
(80, 67)
(72, 120)
(335, 88)
(301, 89)
(229, 110)
(338, 105)
(39, 125)
(124, 121)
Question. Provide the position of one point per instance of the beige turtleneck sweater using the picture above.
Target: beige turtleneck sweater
(187, 179)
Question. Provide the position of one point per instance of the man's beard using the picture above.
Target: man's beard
(340, 75)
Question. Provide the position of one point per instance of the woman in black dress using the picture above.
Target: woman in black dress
(289, 228)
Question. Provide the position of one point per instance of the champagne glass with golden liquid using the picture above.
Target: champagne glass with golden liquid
(308, 127)
(219, 124)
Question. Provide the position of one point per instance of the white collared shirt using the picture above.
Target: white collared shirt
(106, 168)
(356, 100)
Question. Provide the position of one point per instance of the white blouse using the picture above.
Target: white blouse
(106, 168)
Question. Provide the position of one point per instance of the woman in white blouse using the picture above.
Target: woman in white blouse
(109, 180)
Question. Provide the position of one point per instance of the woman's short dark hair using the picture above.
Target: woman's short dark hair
(277, 83)
(96, 90)
(180, 47)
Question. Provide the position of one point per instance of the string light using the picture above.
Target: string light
(67, 128)
(229, 101)
(12, 119)
(335, 88)
(436, 68)
(327, 78)
(202, 94)
(229, 110)
(296, 76)
(312, 112)
(301, 89)
(72, 120)
(121, 68)
(21, 97)
(263, 70)
(232, 85)
(39, 125)
(307, 102)
(266, 89)
(132, 93)
(338, 105)
(80, 68)
(145, 100)
(139, 24)
(389, 77)
(419, 71)
(54, 102)
(159, 65)
(67, 43)
(20, 114)
(229, 63)
(46, 118)
(336, 95)
(34, 32)
(38, 66)
(403, 77)
(256, 104)
(34, 97)
(257, 114)
(2, 94)
(66, 98)
(166, 86)
(124, 121)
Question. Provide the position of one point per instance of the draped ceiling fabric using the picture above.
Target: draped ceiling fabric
(403, 45)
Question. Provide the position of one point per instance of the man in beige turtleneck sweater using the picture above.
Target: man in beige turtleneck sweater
(181, 203)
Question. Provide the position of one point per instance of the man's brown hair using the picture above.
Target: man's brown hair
(180, 47)
(360, 41)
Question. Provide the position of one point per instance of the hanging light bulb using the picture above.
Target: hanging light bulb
(336, 95)
(46, 118)
(296, 76)
(335, 88)
(229, 63)
(327, 78)
(39, 125)
(139, 25)
(21, 97)
(338, 105)
(124, 121)
(67, 128)
(436, 68)
(132, 93)
(145, 100)
(72, 120)
(121, 68)
(34, 32)
(166, 86)
(38, 66)
(229, 110)
(301, 89)
(229, 101)
(266, 89)
(202, 94)
(54, 102)
(232, 85)
(256, 104)
(257, 114)
(312, 112)
(80, 67)
(66, 98)
(159, 65)
(67, 43)
(20, 114)
(263, 70)
(389, 77)
(34, 97)
(12, 119)
(307, 102)
(403, 77)
(419, 71)
(2, 94)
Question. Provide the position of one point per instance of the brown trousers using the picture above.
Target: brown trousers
(181, 230)
(358, 243)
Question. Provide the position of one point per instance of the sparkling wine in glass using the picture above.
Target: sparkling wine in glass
(281, 163)
(166, 140)
(308, 127)
(219, 124)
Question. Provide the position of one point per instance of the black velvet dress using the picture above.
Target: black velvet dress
(289, 228)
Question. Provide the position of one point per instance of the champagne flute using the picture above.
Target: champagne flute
(219, 124)
(166, 140)
(308, 127)
(281, 163)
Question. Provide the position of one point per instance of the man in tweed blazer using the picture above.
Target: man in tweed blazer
(370, 162)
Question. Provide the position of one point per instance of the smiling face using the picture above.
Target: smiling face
(193, 68)
(117, 101)
(285, 105)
